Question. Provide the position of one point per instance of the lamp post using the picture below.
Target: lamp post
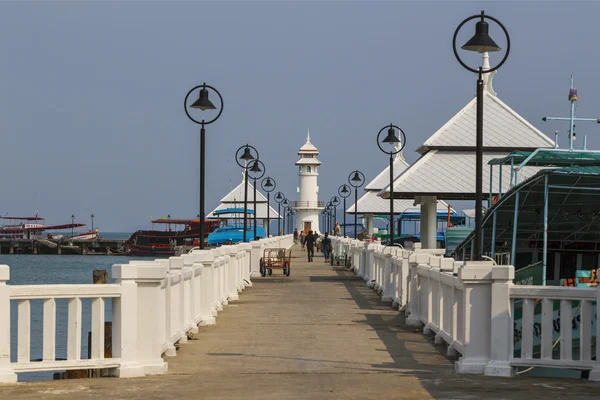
(481, 42)
(92, 217)
(203, 104)
(344, 192)
(268, 185)
(391, 140)
(330, 221)
(285, 203)
(279, 197)
(336, 202)
(72, 225)
(257, 173)
(325, 218)
(245, 157)
(356, 180)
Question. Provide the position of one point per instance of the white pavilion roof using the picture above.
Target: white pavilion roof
(446, 168)
(370, 203)
(237, 194)
(503, 129)
(382, 180)
(451, 175)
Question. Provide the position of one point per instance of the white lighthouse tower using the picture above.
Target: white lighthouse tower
(308, 206)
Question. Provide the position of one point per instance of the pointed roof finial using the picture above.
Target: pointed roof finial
(487, 78)
(308, 136)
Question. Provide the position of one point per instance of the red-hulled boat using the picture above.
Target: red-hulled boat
(177, 232)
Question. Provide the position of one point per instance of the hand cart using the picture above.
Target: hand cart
(278, 258)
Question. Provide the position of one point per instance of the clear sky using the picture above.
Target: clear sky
(91, 104)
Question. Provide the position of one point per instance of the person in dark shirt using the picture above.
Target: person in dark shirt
(326, 246)
(310, 246)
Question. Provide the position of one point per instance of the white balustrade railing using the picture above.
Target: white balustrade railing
(155, 304)
(474, 307)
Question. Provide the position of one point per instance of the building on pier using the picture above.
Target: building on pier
(308, 206)
(446, 168)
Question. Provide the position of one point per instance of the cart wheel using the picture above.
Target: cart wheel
(287, 272)
(270, 271)
(284, 270)
(262, 268)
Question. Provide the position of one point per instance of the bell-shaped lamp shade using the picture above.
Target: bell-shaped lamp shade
(344, 189)
(285, 202)
(247, 156)
(356, 177)
(481, 42)
(391, 137)
(268, 183)
(278, 197)
(203, 103)
(255, 168)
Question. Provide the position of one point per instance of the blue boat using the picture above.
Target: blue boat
(231, 231)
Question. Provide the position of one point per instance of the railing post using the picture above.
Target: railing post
(216, 280)
(476, 277)
(246, 264)
(207, 310)
(177, 311)
(385, 273)
(7, 374)
(369, 265)
(255, 259)
(413, 310)
(232, 270)
(189, 294)
(501, 338)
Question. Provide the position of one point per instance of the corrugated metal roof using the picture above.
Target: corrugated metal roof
(383, 179)
(261, 210)
(502, 128)
(450, 175)
(370, 203)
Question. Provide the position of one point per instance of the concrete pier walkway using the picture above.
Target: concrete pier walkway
(321, 333)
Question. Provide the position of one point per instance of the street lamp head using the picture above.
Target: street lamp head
(481, 42)
(279, 196)
(203, 103)
(72, 216)
(92, 216)
(356, 177)
(391, 137)
(255, 168)
(268, 183)
(285, 202)
(345, 189)
(247, 156)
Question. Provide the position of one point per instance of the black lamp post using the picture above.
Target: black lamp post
(391, 141)
(481, 42)
(325, 218)
(203, 104)
(92, 216)
(330, 220)
(290, 214)
(285, 203)
(279, 197)
(356, 180)
(336, 202)
(72, 225)
(243, 160)
(344, 192)
(257, 173)
(268, 185)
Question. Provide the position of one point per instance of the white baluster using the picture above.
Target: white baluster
(49, 329)
(97, 328)
(74, 330)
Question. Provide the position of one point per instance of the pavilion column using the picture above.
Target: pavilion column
(369, 221)
(428, 220)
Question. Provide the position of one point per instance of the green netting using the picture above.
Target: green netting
(551, 158)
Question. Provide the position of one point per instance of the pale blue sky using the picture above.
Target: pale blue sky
(91, 113)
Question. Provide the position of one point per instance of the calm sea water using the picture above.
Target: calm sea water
(56, 269)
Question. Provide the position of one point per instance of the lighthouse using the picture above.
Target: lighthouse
(308, 206)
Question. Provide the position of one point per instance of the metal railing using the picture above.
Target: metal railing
(308, 204)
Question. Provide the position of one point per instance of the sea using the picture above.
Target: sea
(29, 269)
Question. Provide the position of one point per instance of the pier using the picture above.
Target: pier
(52, 246)
(320, 333)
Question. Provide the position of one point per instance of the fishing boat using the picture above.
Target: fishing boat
(231, 227)
(177, 232)
(18, 228)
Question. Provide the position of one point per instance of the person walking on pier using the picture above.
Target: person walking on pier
(310, 246)
(302, 240)
(296, 236)
(326, 245)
